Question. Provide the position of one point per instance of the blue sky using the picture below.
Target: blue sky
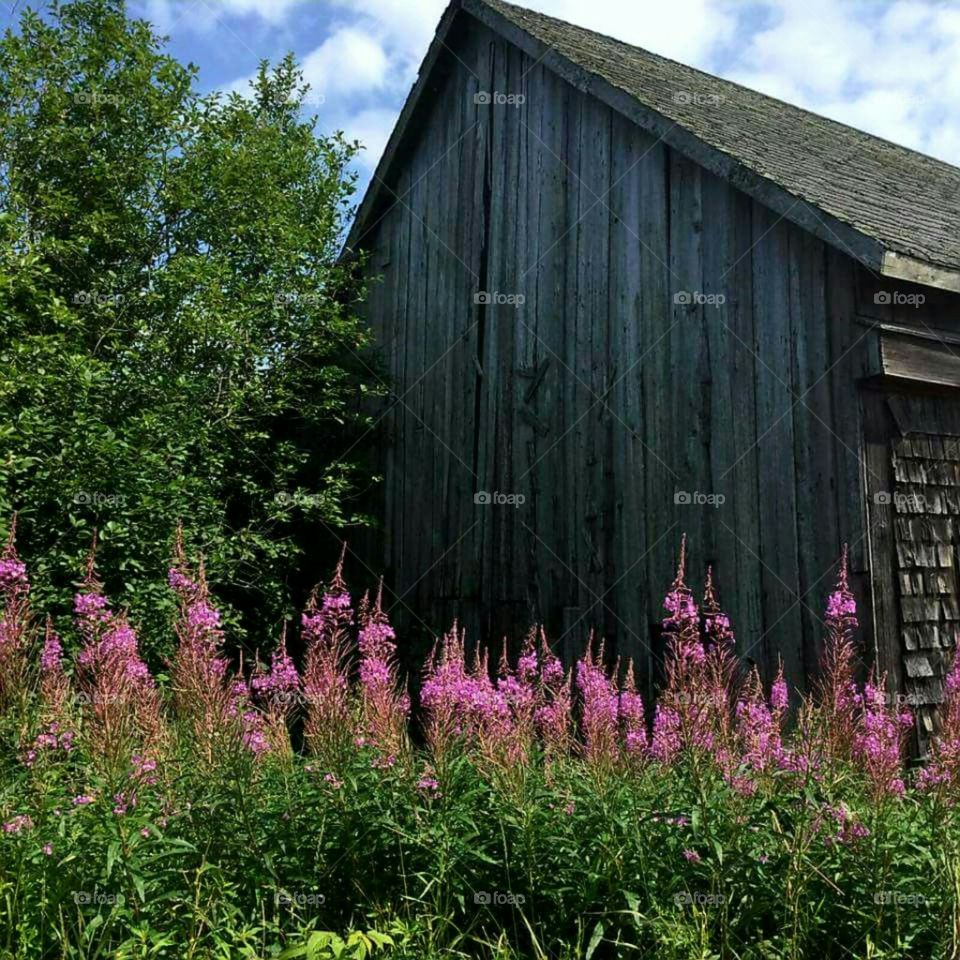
(892, 68)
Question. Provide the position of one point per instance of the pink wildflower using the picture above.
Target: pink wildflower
(18, 823)
(212, 704)
(428, 784)
(600, 713)
(15, 623)
(838, 691)
(943, 764)
(633, 719)
(327, 727)
(384, 705)
(878, 741)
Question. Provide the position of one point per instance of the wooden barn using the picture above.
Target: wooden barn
(620, 299)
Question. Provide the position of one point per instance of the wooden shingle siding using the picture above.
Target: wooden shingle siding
(926, 497)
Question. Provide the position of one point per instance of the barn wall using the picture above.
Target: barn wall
(605, 395)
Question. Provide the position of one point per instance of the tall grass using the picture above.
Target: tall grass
(549, 812)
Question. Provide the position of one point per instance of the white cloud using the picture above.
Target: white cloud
(274, 11)
(406, 26)
(349, 61)
(202, 16)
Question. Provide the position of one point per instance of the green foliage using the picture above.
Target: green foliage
(178, 340)
(273, 859)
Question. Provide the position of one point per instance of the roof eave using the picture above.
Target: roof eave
(899, 266)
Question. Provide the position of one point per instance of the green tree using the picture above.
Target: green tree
(178, 339)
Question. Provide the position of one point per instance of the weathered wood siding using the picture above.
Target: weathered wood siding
(675, 337)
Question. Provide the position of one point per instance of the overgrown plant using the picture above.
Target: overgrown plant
(549, 813)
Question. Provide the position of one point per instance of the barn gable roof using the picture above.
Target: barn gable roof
(893, 209)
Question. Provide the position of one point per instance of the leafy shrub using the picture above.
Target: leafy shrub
(178, 338)
(548, 812)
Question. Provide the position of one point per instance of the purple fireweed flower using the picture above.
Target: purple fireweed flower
(203, 618)
(447, 693)
(179, 581)
(254, 738)
(878, 740)
(428, 784)
(600, 707)
(943, 765)
(758, 728)
(779, 696)
(51, 657)
(122, 702)
(838, 691)
(83, 799)
(384, 705)
(18, 823)
(281, 682)
(15, 623)
(683, 620)
(552, 709)
(691, 856)
(13, 575)
(48, 849)
(204, 695)
(665, 742)
(47, 741)
(91, 606)
(633, 720)
(122, 803)
(324, 629)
